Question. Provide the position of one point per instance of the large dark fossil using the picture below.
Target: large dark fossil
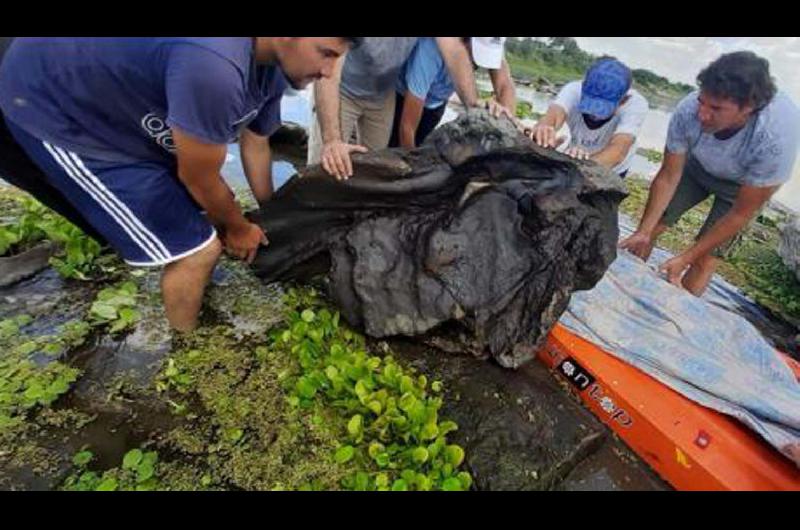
(477, 226)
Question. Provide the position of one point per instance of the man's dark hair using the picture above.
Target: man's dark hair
(355, 42)
(740, 76)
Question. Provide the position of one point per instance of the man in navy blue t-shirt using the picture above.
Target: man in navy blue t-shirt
(132, 134)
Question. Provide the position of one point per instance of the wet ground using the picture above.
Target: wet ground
(520, 430)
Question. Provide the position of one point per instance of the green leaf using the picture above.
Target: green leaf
(375, 448)
(436, 386)
(344, 454)
(306, 388)
(234, 435)
(424, 483)
(429, 432)
(382, 480)
(361, 389)
(454, 455)
(34, 392)
(308, 315)
(447, 426)
(452, 484)
(104, 311)
(109, 484)
(82, 458)
(406, 384)
(420, 455)
(355, 425)
(150, 457)
(407, 401)
(129, 315)
(399, 485)
(465, 479)
(144, 471)
(362, 481)
(375, 406)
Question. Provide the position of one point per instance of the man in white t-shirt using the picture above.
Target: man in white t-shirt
(603, 114)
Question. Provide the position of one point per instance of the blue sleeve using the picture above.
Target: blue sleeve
(204, 94)
(268, 119)
(423, 67)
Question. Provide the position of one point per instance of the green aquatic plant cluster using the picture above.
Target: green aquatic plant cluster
(310, 409)
(25, 383)
(116, 307)
(32, 370)
(137, 472)
(652, 155)
(394, 436)
(78, 257)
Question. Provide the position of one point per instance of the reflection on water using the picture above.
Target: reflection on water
(295, 108)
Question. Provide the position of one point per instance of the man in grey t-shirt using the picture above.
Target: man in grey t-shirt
(737, 139)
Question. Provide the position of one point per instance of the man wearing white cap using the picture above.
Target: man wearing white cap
(425, 85)
(359, 100)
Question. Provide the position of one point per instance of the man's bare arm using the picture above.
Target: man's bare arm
(199, 165)
(616, 150)
(459, 64)
(257, 163)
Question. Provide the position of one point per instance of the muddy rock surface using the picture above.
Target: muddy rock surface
(477, 226)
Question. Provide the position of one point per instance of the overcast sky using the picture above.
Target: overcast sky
(682, 58)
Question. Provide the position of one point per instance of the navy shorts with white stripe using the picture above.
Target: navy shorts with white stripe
(142, 209)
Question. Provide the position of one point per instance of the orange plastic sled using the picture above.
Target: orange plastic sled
(690, 446)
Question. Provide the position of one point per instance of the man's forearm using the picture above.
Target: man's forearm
(326, 98)
(216, 198)
(326, 101)
(407, 135)
(661, 192)
(554, 117)
(504, 87)
(615, 152)
(257, 164)
(459, 65)
(725, 228)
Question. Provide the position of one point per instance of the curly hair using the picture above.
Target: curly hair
(741, 76)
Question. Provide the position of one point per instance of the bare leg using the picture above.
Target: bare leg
(698, 276)
(183, 283)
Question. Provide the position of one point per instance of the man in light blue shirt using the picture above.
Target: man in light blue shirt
(425, 85)
(737, 139)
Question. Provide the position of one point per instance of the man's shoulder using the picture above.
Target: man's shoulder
(637, 102)
(780, 112)
(235, 50)
(427, 51)
(688, 104)
(569, 91)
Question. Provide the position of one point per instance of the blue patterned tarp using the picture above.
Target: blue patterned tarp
(705, 352)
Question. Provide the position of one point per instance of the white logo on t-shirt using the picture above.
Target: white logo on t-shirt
(158, 130)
